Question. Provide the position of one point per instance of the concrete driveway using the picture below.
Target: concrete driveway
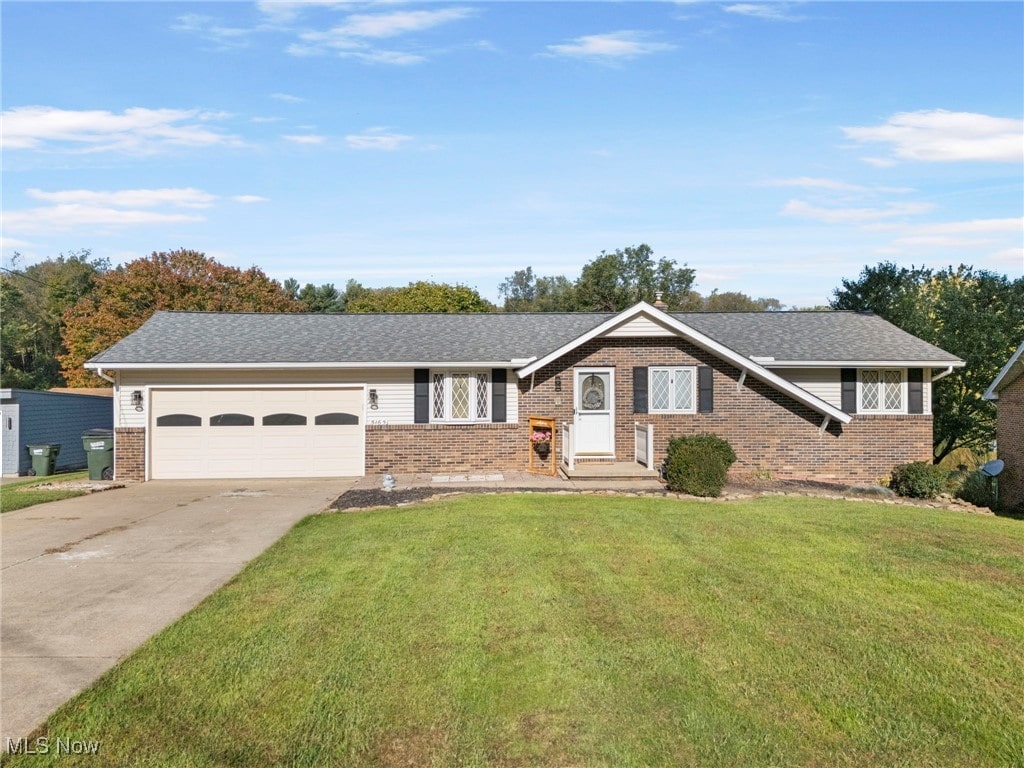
(86, 580)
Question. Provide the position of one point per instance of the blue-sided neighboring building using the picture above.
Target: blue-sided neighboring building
(31, 417)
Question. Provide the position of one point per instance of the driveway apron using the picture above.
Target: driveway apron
(86, 580)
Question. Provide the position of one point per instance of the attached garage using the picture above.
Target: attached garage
(256, 432)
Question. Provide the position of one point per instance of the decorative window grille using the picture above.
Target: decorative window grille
(460, 396)
(881, 390)
(483, 399)
(672, 390)
(438, 401)
(893, 391)
(869, 390)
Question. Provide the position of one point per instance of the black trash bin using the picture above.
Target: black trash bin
(44, 458)
(99, 451)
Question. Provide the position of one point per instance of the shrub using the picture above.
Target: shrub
(698, 464)
(711, 442)
(977, 490)
(918, 480)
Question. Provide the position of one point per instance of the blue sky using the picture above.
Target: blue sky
(774, 147)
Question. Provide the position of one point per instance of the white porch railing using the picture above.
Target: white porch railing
(643, 440)
(568, 449)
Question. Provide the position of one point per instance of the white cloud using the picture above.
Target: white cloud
(969, 227)
(853, 215)
(305, 138)
(288, 10)
(831, 185)
(625, 44)
(136, 130)
(378, 138)
(81, 208)
(187, 197)
(287, 97)
(353, 37)
(378, 56)
(939, 135)
(940, 241)
(379, 25)
(1010, 259)
(62, 217)
(767, 11)
(205, 27)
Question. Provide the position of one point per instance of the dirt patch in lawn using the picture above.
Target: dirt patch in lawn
(368, 498)
(87, 486)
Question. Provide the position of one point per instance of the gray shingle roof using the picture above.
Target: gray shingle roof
(226, 338)
(810, 336)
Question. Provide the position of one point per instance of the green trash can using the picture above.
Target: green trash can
(99, 451)
(44, 459)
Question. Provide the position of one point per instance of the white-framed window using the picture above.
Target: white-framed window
(882, 390)
(460, 396)
(672, 389)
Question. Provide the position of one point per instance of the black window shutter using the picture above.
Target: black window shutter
(705, 389)
(848, 389)
(640, 389)
(499, 382)
(915, 390)
(421, 395)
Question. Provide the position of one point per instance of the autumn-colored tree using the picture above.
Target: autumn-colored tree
(421, 296)
(124, 298)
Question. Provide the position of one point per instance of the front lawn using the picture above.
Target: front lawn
(533, 630)
(24, 493)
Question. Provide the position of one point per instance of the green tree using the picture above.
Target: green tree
(615, 281)
(316, 298)
(125, 297)
(975, 315)
(526, 292)
(421, 296)
(734, 301)
(34, 300)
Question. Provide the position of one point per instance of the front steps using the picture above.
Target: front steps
(618, 471)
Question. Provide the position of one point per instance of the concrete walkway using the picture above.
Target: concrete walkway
(512, 481)
(86, 580)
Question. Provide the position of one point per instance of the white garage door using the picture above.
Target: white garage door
(256, 433)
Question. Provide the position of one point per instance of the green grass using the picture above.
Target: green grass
(23, 493)
(535, 630)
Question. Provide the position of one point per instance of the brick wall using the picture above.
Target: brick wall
(767, 429)
(130, 453)
(446, 448)
(1010, 439)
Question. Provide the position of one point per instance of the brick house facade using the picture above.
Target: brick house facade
(455, 394)
(768, 430)
(1010, 439)
(1008, 393)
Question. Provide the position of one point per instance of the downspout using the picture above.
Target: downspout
(102, 375)
(942, 375)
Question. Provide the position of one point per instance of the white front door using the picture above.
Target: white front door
(594, 403)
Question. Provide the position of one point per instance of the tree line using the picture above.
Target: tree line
(60, 312)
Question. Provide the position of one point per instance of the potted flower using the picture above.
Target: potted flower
(541, 440)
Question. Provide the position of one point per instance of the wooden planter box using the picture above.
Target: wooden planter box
(542, 452)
